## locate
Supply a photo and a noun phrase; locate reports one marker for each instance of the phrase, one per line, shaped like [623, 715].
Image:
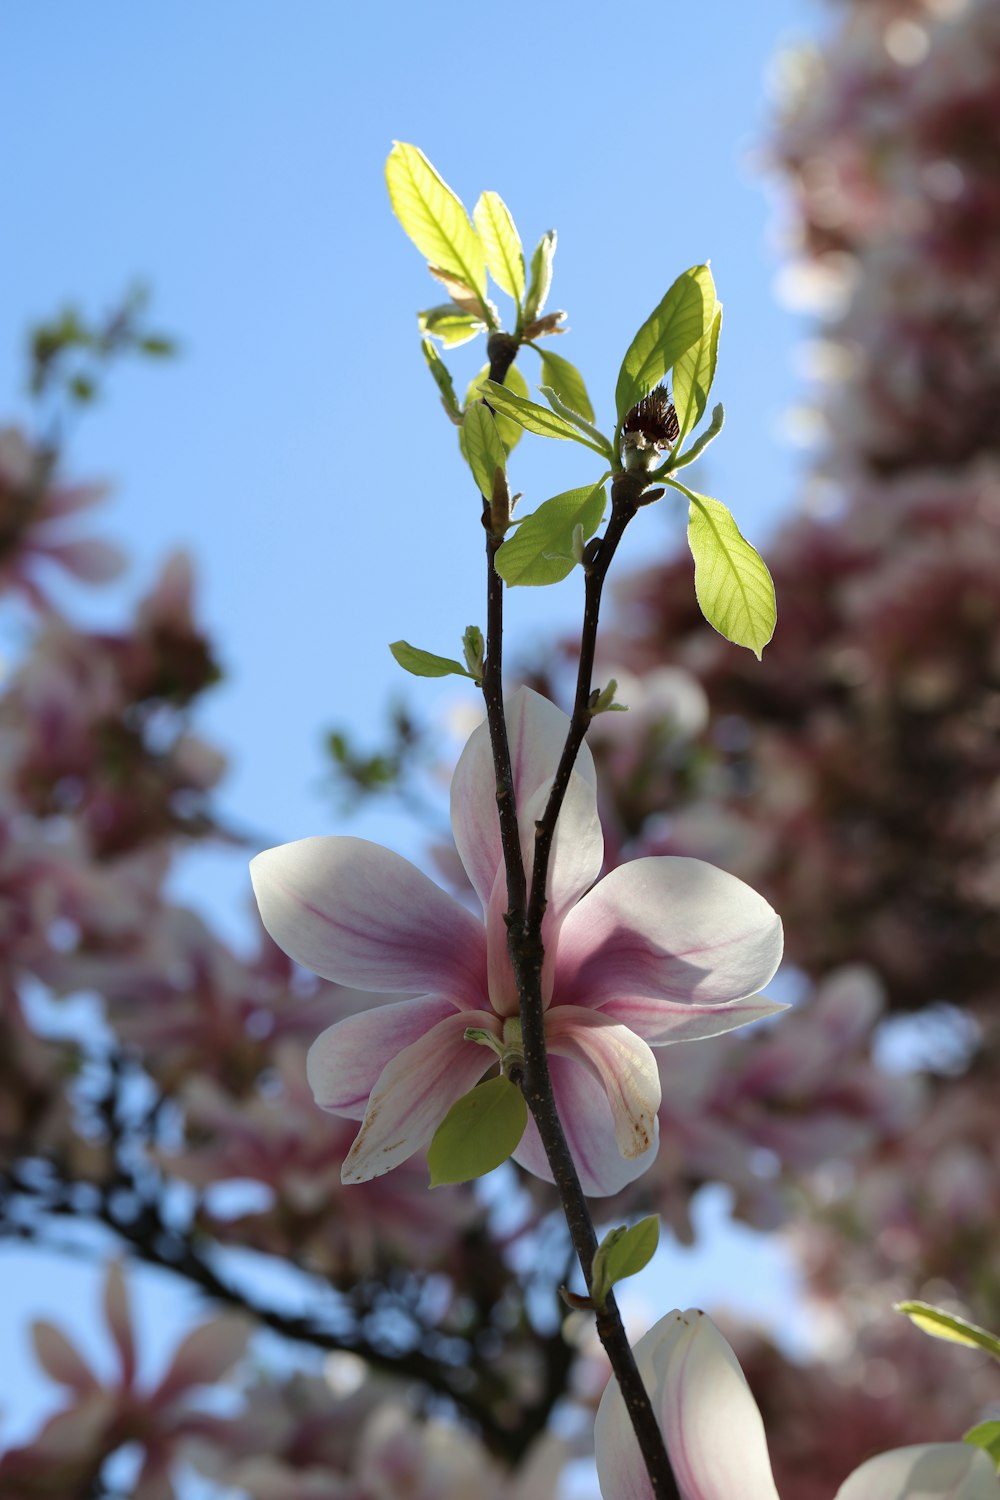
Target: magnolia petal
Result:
[412, 1096]
[708, 1416]
[590, 1130]
[621, 1063]
[345, 1061]
[660, 1022]
[668, 928]
[927, 1471]
[119, 1321]
[577, 848]
[89, 559]
[536, 733]
[60, 1359]
[361, 915]
[203, 1356]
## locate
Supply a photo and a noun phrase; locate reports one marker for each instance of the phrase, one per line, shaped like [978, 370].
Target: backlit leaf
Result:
[685, 313]
[623, 1252]
[693, 376]
[433, 216]
[478, 1133]
[482, 447]
[532, 417]
[502, 244]
[541, 276]
[945, 1325]
[540, 551]
[734, 588]
[567, 382]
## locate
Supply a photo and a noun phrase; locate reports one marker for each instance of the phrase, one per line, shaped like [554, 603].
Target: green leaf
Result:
[600, 442]
[541, 549]
[502, 244]
[532, 417]
[697, 448]
[425, 663]
[944, 1325]
[731, 581]
[478, 1133]
[985, 1435]
[693, 376]
[567, 382]
[510, 432]
[541, 275]
[442, 379]
[679, 321]
[449, 324]
[623, 1252]
[433, 216]
[482, 447]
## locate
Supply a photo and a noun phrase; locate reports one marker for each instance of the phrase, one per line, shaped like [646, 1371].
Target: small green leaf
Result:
[697, 448]
[482, 447]
[425, 663]
[510, 432]
[623, 1252]
[693, 376]
[985, 1435]
[433, 216]
[944, 1325]
[449, 324]
[541, 549]
[502, 244]
[534, 418]
[567, 382]
[731, 581]
[478, 1133]
[679, 321]
[474, 649]
[442, 379]
[598, 440]
[541, 276]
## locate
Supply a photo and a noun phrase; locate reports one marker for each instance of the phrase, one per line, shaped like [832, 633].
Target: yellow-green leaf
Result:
[567, 382]
[945, 1325]
[540, 551]
[693, 376]
[510, 432]
[482, 447]
[541, 275]
[449, 324]
[502, 244]
[731, 581]
[425, 663]
[685, 313]
[532, 417]
[479, 1132]
[442, 379]
[433, 216]
[623, 1252]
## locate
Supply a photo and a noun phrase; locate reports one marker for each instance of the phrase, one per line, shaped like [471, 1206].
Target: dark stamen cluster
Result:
[654, 420]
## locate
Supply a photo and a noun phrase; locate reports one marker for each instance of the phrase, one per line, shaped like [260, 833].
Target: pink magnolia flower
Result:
[715, 1436]
[661, 950]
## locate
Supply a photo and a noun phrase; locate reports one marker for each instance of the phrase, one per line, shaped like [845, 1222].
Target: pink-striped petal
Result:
[620, 1062]
[667, 928]
[927, 1471]
[60, 1358]
[203, 1356]
[413, 1094]
[660, 1022]
[709, 1418]
[119, 1321]
[590, 1131]
[345, 1061]
[536, 733]
[359, 914]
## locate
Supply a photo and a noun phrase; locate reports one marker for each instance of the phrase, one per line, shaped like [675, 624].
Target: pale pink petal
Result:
[659, 1022]
[345, 1061]
[667, 928]
[590, 1130]
[577, 849]
[710, 1421]
[116, 1312]
[89, 559]
[500, 971]
[203, 1357]
[412, 1097]
[928, 1471]
[359, 914]
[60, 1359]
[536, 733]
[69, 499]
[620, 1062]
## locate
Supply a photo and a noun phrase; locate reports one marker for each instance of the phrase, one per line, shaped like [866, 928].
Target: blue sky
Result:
[231, 157]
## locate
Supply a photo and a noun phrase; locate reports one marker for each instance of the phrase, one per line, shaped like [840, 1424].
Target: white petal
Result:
[660, 1022]
[361, 915]
[928, 1471]
[536, 733]
[345, 1060]
[621, 1063]
[667, 928]
[589, 1126]
[413, 1094]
